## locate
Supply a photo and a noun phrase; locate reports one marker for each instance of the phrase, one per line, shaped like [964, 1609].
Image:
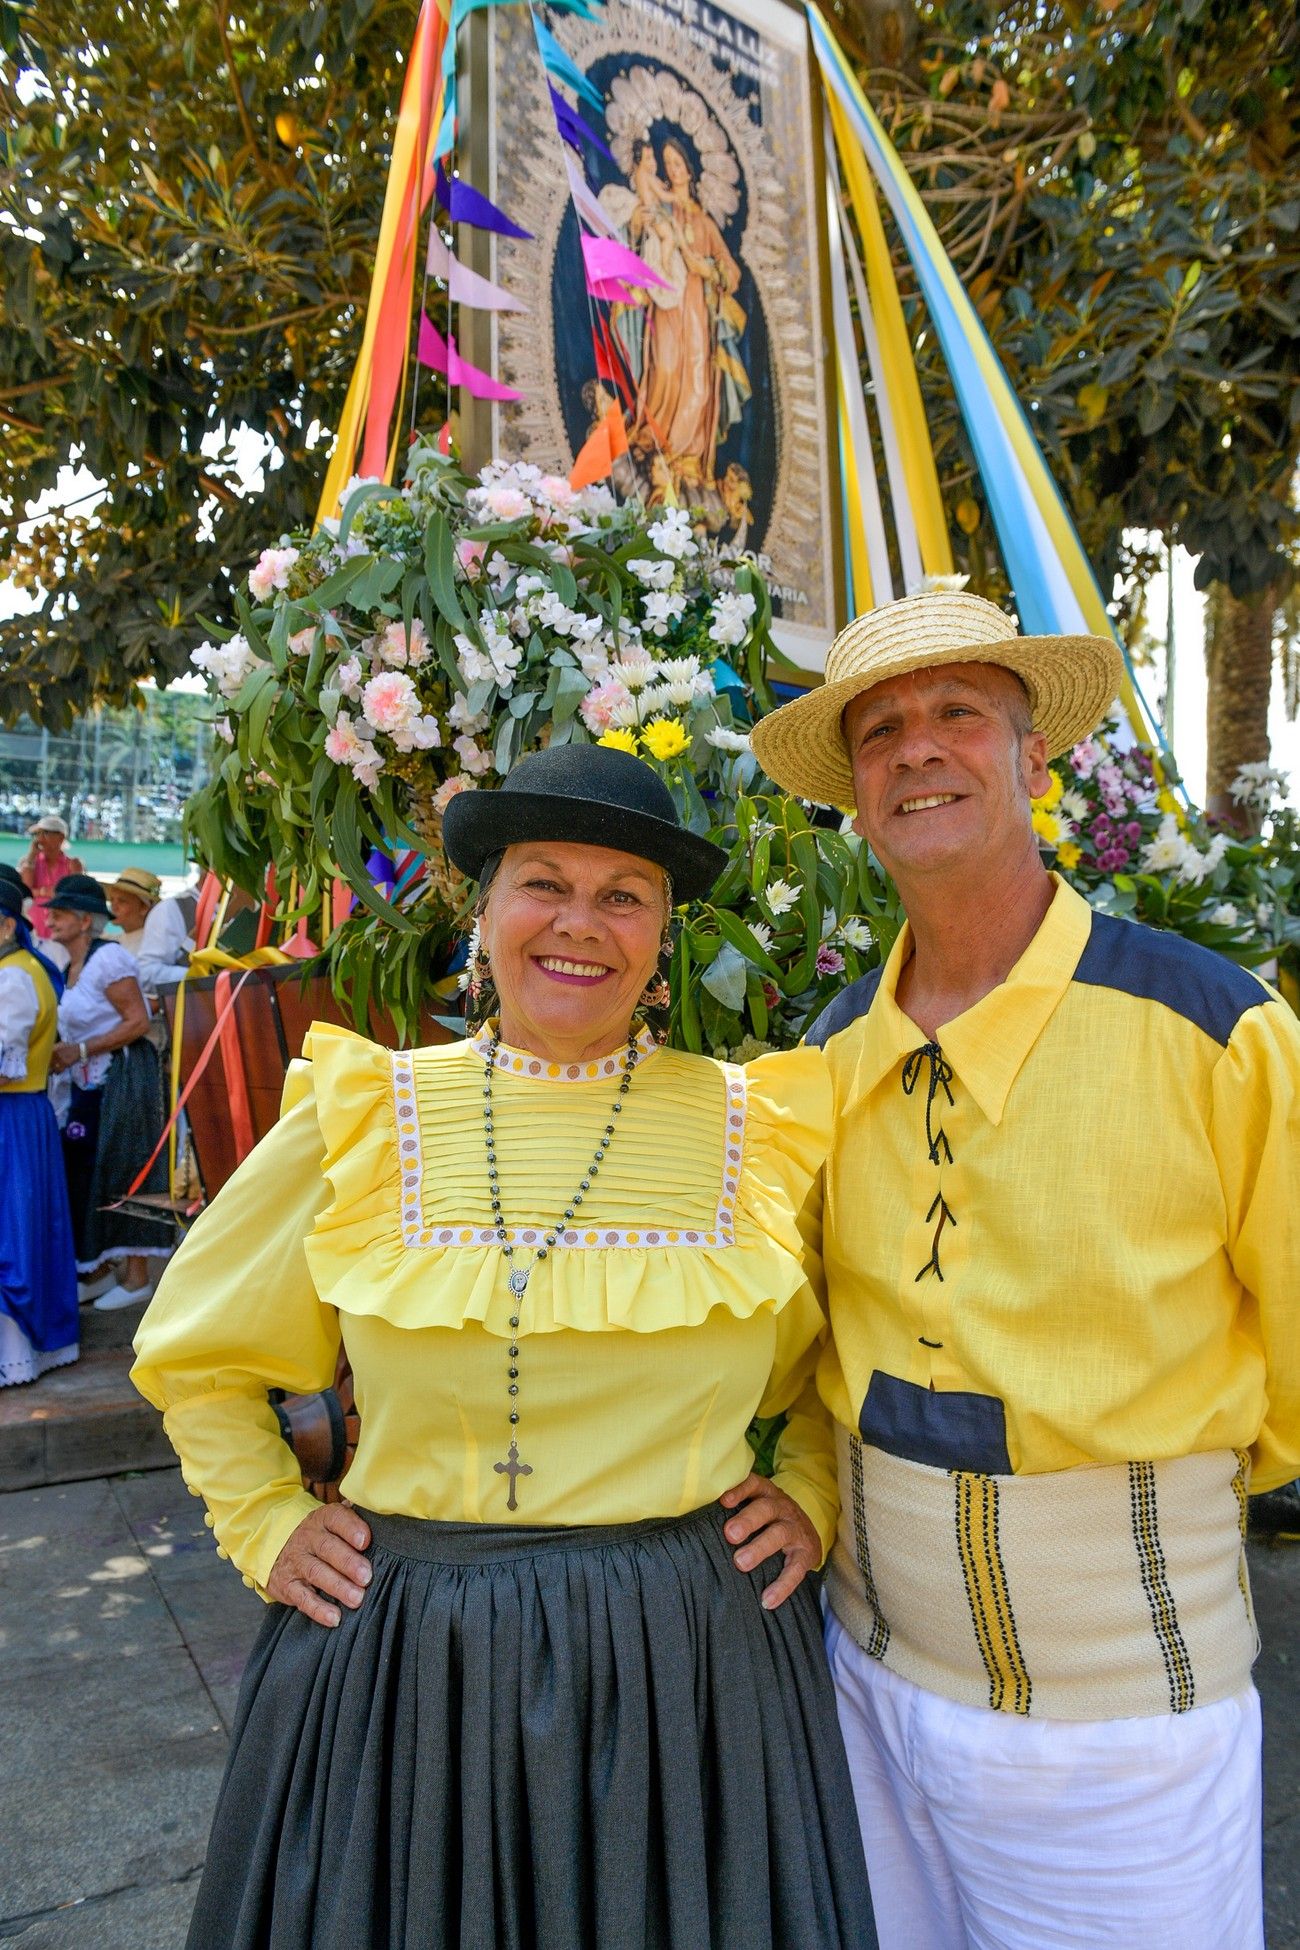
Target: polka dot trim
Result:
[518, 1063]
[580, 1238]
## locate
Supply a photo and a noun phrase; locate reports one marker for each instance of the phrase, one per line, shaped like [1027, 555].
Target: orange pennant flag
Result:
[600, 450]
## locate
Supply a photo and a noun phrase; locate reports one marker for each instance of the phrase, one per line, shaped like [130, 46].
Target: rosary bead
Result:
[513, 1373]
[514, 1388]
[514, 1415]
[513, 1351]
[514, 1320]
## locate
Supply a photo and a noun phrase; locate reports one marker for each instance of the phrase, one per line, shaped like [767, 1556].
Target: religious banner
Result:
[690, 300]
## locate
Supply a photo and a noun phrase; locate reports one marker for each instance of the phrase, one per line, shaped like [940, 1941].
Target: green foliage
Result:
[189, 198]
[1133, 243]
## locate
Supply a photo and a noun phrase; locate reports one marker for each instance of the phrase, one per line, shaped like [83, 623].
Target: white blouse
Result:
[19, 1008]
[86, 1011]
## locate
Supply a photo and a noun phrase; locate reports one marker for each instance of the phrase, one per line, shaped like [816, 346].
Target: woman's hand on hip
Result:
[322, 1562]
[768, 1521]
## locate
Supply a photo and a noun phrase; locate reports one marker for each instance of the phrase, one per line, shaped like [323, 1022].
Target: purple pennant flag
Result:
[434, 350]
[572, 127]
[587, 206]
[464, 204]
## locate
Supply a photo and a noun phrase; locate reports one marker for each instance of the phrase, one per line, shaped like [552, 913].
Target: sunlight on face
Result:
[944, 768]
[573, 934]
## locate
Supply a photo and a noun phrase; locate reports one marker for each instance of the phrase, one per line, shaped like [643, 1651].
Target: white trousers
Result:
[988, 1831]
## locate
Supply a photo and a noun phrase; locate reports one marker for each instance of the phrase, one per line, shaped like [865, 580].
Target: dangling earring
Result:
[656, 994]
[476, 980]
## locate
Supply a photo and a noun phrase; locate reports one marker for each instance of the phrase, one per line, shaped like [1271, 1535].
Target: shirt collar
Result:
[988, 1044]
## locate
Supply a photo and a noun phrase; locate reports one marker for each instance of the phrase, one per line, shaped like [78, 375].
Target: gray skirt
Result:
[537, 1739]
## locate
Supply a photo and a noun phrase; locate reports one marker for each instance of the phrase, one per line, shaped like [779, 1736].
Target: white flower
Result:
[418, 734]
[762, 934]
[724, 739]
[671, 534]
[498, 569]
[367, 765]
[341, 742]
[732, 613]
[654, 699]
[660, 611]
[461, 718]
[654, 574]
[635, 668]
[1167, 852]
[473, 666]
[348, 676]
[1264, 916]
[1223, 916]
[271, 572]
[507, 504]
[856, 933]
[475, 939]
[389, 701]
[224, 730]
[941, 585]
[680, 690]
[229, 663]
[781, 896]
[1072, 805]
[472, 756]
[1259, 784]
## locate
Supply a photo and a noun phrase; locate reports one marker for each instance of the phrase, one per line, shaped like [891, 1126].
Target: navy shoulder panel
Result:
[852, 1002]
[1162, 967]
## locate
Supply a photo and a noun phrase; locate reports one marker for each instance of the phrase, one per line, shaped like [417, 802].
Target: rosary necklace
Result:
[520, 1275]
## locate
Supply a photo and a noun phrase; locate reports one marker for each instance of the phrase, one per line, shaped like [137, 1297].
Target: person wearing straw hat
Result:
[553, 1678]
[44, 864]
[1059, 1237]
[132, 897]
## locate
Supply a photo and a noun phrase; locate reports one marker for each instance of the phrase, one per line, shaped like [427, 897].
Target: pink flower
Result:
[470, 556]
[448, 790]
[393, 646]
[389, 701]
[348, 676]
[557, 490]
[472, 756]
[301, 641]
[829, 961]
[507, 504]
[599, 705]
[342, 743]
[271, 572]
[1085, 758]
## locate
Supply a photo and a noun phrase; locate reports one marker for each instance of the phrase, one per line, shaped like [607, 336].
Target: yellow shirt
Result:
[1069, 1232]
[649, 1337]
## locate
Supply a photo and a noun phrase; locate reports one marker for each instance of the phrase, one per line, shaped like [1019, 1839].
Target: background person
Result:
[132, 898]
[44, 864]
[114, 1113]
[38, 1276]
[537, 1687]
[1063, 1352]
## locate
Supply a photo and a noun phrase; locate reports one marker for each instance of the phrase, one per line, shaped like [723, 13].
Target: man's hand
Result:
[770, 1521]
[322, 1561]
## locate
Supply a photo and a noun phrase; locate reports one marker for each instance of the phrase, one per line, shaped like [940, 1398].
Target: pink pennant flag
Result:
[612, 292]
[585, 202]
[432, 349]
[466, 286]
[605, 257]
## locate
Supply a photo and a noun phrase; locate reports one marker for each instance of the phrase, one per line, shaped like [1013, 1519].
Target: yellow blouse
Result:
[649, 1337]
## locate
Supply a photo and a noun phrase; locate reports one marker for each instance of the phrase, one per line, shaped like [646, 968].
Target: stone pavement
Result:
[122, 1637]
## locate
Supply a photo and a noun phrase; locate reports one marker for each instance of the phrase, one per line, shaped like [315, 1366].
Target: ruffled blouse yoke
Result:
[672, 1310]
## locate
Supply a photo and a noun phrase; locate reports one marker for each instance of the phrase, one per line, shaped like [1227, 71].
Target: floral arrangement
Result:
[1129, 843]
[419, 645]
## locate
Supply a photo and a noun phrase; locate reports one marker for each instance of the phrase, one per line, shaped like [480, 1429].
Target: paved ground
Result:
[122, 1636]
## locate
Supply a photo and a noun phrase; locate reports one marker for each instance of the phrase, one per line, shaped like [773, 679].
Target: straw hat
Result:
[1071, 681]
[139, 881]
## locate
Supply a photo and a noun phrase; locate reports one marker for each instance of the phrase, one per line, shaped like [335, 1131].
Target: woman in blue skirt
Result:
[38, 1277]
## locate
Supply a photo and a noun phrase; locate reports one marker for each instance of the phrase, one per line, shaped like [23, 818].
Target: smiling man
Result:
[1060, 1237]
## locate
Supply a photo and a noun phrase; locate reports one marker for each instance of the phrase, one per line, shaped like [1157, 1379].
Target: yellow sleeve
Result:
[805, 1450]
[237, 1313]
[1257, 1144]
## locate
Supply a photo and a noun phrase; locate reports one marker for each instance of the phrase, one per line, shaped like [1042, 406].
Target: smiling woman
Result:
[561, 1617]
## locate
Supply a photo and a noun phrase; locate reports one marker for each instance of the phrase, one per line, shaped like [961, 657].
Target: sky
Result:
[1189, 623]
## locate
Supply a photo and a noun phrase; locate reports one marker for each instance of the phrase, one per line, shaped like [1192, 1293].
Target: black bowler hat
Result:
[81, 893]
[13, 892]
[589, 795]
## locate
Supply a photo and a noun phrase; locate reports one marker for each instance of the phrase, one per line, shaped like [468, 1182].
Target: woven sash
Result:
[1088, 1594]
